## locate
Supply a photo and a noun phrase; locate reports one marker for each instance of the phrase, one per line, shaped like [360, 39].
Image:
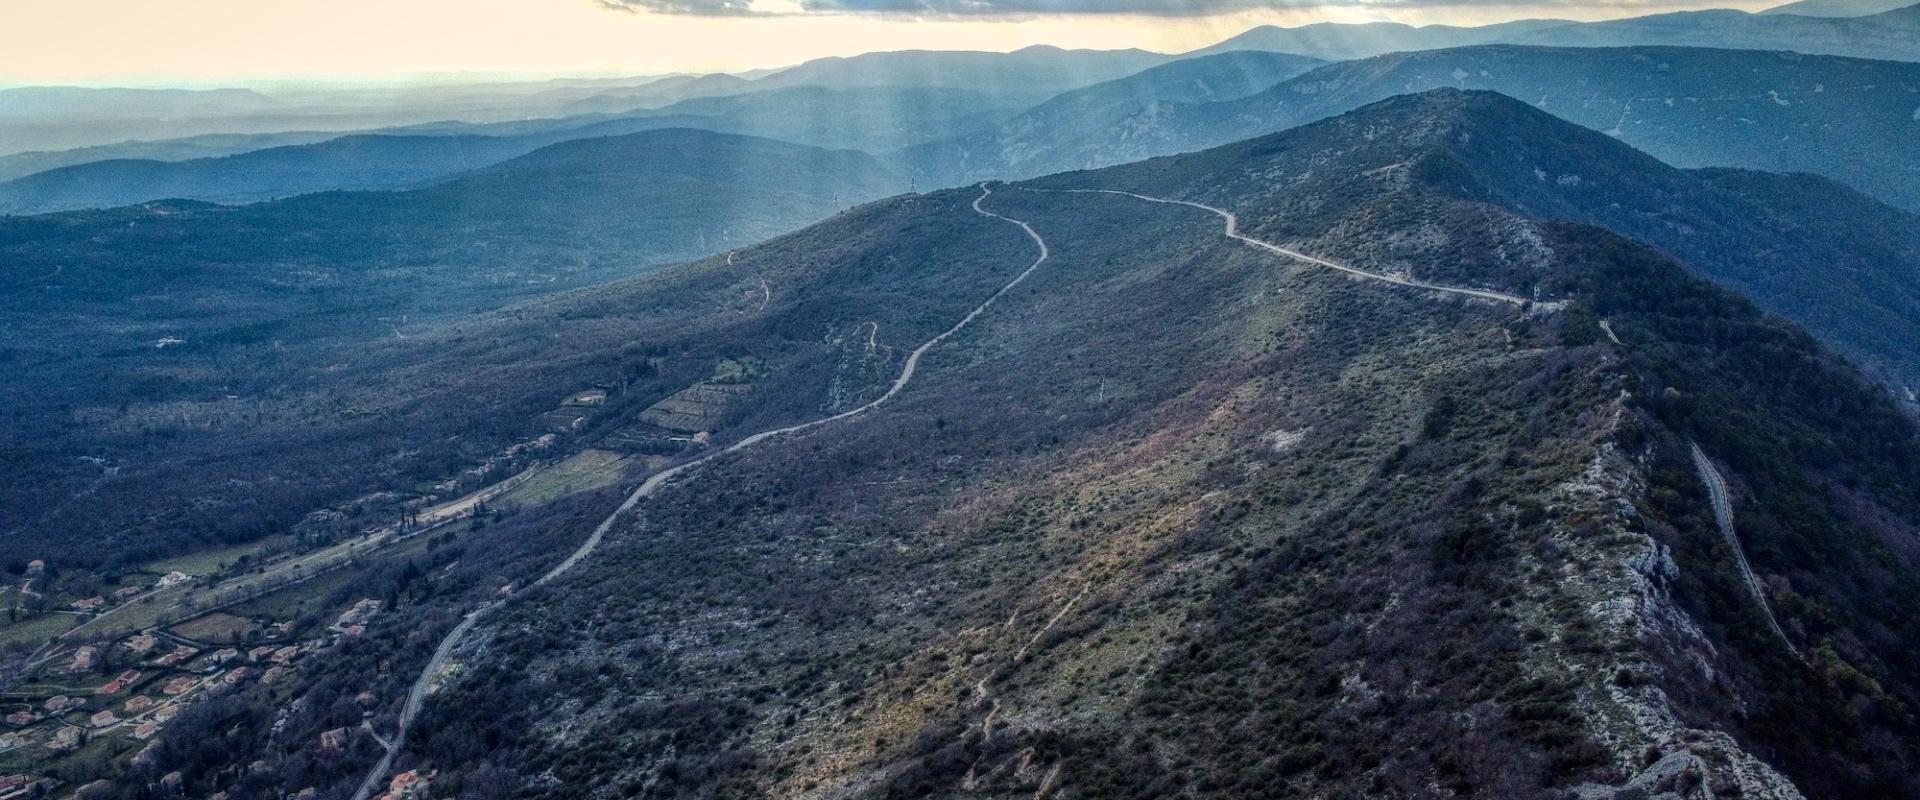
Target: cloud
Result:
[1033, 8]
[696, 8]
[968, 8]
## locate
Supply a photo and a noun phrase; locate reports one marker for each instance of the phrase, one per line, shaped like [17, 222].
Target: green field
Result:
[218, 627]
[208, 562]
[584, 471]
[36, 629]
[297, 599]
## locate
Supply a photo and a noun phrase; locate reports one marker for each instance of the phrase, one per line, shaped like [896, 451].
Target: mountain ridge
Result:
[1335, 517]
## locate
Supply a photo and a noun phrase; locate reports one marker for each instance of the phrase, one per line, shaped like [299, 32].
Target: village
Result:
[119, 657]
[115, 698]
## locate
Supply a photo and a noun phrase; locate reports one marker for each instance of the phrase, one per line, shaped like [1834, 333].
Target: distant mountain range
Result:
[375, 161]
[48, 118]
[1891, 35]
[1838, 8]
[877, 102]
[1892, 32]
[1848, 119]
[889, 100]
[876, 119]
[1095, 126]
[212, 145]
[56, 118]
[1041, 70]
[1339, 41]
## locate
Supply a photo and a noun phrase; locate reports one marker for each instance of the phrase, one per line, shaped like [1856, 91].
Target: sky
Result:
[263, 42]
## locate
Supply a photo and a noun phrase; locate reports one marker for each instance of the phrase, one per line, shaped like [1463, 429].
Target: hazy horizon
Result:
[294, 44]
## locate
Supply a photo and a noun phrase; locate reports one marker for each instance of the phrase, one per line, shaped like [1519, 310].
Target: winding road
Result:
[422, 686]
[1723, 519]
[1233, 232]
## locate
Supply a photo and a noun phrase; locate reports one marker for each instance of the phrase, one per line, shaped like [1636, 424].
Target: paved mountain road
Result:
[1233, 232]
[1723, 519]
[417, 696]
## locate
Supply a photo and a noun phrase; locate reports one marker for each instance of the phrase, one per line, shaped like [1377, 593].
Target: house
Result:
[57, 703]
[590, 397]
[146, 730]
[128, 593]
[406, 784]
[166, 713]
[352, 631]
[36, 566]
[90, 603]
[64, 739]
[179, 654]
[284, 654]
[358, 614]
[142, 644]
[177, 685]
[273, 675]
[224, 655]
[101, 719]
[237, 675]
[260, 653]
[83, 659]
[171, 782]
[20, 718]
[119, 682]
[335, 739]
[138, 703]
[172, 579]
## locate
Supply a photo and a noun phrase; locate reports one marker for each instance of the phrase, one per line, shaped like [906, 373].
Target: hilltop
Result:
[1769, 236]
